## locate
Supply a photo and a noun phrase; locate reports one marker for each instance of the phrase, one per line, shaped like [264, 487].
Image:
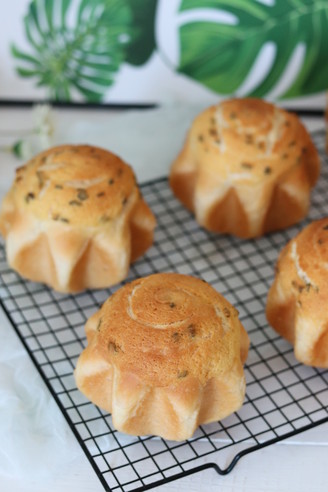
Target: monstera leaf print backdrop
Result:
[88, 49]
[86, 55]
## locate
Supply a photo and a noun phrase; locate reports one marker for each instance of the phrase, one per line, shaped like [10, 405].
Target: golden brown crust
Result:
[298, 299]
[168, 341]
[75, 184]
[79, 210]
[252, 151]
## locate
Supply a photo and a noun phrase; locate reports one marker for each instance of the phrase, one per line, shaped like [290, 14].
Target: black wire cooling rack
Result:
[283, 396]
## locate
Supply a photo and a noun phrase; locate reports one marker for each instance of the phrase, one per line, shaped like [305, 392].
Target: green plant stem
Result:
[15, 133]
[6, 149]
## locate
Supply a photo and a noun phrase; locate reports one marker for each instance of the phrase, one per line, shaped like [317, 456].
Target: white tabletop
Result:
[292, 465]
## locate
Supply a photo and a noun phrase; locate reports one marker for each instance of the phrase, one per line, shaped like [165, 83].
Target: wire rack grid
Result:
[283, 396]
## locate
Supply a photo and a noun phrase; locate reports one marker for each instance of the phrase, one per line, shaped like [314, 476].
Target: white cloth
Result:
[32, 428]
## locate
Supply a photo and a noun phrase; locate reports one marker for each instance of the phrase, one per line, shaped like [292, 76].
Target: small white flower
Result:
[43, 120]
[44, 141]
[22, 149]
[39, 138]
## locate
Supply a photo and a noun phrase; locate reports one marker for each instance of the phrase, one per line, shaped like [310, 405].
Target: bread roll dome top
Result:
[253, 140]
[75, 184]
[167, 327]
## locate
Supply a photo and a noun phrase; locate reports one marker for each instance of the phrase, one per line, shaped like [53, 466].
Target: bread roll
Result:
[74, 219]
[246, 168]
[297, 305]
[165, 353]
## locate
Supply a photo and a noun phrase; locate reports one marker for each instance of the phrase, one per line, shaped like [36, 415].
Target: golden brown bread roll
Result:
[297, 305]
[74, 219]
[165, 353]
[246, 168]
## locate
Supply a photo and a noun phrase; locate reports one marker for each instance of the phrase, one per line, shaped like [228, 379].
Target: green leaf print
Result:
[82, 56]
[220, 55]
[143, 12]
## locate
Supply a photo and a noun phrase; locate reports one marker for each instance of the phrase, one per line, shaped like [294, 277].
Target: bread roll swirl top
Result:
[75, 184]
[167, 327]
[253, 140]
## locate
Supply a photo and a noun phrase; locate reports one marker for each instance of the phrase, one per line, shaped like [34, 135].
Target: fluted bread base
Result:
[71, 259]
[172, 412]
